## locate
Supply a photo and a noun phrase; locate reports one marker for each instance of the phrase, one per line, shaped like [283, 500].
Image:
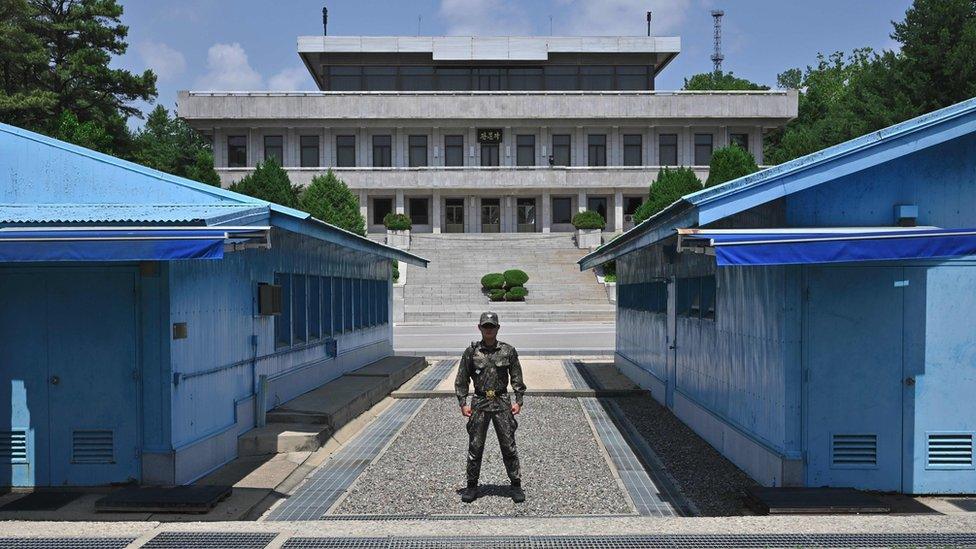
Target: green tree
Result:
[55, 58]
[269, 182]
[171, 145]
[730, 163]
[712, 81]
[329, 199]
[86, 134]
[670, 185]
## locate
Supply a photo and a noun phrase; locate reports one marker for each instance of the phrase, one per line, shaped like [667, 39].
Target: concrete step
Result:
[304, 423]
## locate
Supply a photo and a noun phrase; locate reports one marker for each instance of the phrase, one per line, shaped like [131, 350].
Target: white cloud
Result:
[291, 79]
[229, 70]
[620, 17]
[166, 62]
[484, 17]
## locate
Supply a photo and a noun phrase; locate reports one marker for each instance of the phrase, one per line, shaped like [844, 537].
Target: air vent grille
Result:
[13, 446]
[93, 446]
[950, 450]
[854, 450]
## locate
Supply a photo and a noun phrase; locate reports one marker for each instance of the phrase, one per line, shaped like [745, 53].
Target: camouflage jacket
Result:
[490, 368]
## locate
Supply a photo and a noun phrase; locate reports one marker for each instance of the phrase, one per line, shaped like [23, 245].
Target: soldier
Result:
[490, 363]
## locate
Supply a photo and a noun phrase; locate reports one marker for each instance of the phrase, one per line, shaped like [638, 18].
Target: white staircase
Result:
[449, 290]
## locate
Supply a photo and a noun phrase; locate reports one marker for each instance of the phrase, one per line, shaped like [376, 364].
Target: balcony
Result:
[478, 177]
[767, 108]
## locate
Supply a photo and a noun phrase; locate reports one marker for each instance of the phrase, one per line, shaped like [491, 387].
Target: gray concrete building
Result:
[484, 134]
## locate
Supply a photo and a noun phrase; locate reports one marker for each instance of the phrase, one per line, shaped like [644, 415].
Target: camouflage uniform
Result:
[490, 368]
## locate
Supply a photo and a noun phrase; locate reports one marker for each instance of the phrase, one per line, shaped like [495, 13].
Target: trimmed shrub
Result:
[397, 222]
[329, 199]
[589, 220]
[516, 293]
[269, 182]
[730, 163]
[493, 281]
[496, 294]
[670, 185]
[515, 277]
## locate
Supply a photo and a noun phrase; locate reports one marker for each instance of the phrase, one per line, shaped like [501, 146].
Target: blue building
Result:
[814, 321]
[138, 310]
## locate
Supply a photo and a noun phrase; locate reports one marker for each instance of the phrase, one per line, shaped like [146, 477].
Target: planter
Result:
[589, 238]
[611, 291]
[398, 239]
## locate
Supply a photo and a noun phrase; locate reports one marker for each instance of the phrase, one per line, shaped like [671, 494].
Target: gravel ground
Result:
[564, 471]
[704, 476]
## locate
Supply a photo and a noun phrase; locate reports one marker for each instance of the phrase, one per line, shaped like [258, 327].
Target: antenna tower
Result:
[717, 56]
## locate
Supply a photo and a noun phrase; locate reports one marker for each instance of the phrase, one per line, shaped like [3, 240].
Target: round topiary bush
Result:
[493, 281]
[496, 294]
[589, 220]
[516, 293]
[397, 222]
[515, 277]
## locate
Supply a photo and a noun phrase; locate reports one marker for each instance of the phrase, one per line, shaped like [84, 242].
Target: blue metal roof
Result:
[714, 203]
[46, 181]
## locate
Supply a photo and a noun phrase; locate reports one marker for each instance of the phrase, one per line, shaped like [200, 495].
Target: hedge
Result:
[589, 220]
[397, 222]
[496, 294]
[516, 293]
[493, 281]
[515, 277]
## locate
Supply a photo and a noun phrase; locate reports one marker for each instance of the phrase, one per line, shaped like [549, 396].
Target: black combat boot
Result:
[518, 496]
[470, 493]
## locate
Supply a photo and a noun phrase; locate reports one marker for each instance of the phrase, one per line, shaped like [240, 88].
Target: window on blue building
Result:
[283, 321]
[314, 307]
[347, 304]
[299, 311]
[696, 297]
[327, 306]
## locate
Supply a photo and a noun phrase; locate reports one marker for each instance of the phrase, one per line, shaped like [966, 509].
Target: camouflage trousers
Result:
[505, 425]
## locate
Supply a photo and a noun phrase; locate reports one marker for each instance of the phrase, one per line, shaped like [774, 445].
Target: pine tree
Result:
[269, 182]
[329, 199]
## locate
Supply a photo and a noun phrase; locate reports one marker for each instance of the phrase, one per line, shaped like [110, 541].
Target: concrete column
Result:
[509, 215]
[435, 212]
[546, 212]
[581, 201]
[435, 147]
[615, 147]
[507, 151]
[579, 147]
[473, 219]
[220, 148]
[323, 146]
[650, 147]
[253, 143]
[618, 211]
[364, 206]
[328, 147]
[361, 148]
[544, 146]
[291, 151]
[398, 202]
[755, 145]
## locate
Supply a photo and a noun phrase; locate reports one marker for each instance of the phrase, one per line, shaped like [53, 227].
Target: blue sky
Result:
[250, 44]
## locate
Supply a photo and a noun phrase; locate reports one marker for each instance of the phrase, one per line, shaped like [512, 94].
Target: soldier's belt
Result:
[491, 394]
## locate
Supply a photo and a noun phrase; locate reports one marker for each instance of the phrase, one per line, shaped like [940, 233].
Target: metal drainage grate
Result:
[65, 543]
[330, 481]
[210, 540]
[574, 375]
[388, 518]
[436, 375]
[655, 541]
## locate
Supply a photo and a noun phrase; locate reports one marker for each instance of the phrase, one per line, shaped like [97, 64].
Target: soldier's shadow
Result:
[486, 490]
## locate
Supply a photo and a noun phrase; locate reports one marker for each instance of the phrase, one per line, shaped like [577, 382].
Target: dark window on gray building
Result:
[345, 151]
[562, 209]
[382, 151]
[274, 147]
[740, 139]
[417, 145]
[596, 149]
[561, 77]
[489, 154]
[667, 146]
[562, 145]
[596, 77]
[345, 78]
[309, 151]
[631, 203]
[453, 150]
[633, 77]
[418, 211]
[526, 79]
[417, 78]
[525, 150]
[379, 78]
[453, 79]
[490, 79]
[237, 151]
[703, 149]
[633, 150]
[381, 207]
